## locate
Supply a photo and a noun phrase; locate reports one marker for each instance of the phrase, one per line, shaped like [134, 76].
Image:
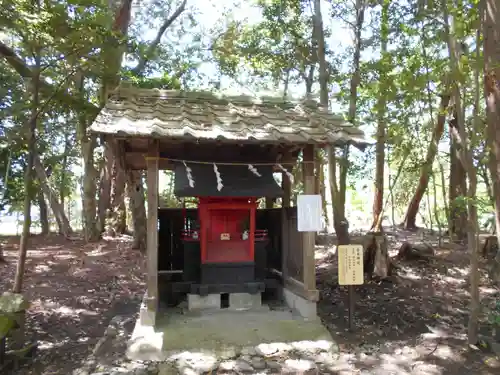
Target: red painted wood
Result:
[226, 215]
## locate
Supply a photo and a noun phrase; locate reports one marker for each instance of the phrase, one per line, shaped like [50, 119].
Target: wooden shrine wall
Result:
[293, 252]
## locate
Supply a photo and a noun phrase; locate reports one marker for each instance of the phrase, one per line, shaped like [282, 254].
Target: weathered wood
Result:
[296, 286]
[152, 225]
[308, 238]
[285, 203]
[138, 161]
[301, 289]
[377, 262]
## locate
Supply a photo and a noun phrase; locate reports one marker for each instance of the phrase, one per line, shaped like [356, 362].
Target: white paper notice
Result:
[309, 213]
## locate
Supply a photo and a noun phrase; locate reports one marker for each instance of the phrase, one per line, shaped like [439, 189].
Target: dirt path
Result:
[75, 289]
[423, 314]
[414, 326]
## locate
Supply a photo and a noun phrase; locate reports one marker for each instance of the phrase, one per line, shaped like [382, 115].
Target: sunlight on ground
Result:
[49, 307]
[41, 268]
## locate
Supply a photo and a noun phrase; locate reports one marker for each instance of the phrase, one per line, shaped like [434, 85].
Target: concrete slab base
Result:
[145, 344]
[237, 301]
[219, 331]
[245, 301]
[304, 308]
[197, 302]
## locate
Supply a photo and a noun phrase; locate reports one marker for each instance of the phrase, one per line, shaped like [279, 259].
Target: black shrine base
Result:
[250, 287]
[214, 278]
[205, 289]
[227, 273]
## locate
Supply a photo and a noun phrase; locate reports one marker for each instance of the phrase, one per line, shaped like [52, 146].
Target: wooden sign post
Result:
[350, 270]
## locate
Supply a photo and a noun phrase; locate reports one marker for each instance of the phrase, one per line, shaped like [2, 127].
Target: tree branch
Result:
[47, 89]
[154, 44]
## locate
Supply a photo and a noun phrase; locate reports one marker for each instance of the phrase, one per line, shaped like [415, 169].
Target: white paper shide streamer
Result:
[219, 179]
[289, 175]
[189, 175]
[254, 170]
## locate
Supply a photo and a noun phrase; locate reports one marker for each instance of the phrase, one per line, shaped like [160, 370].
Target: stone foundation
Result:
[245, 301]
[197, 302]
[237, 301]
[307, 309]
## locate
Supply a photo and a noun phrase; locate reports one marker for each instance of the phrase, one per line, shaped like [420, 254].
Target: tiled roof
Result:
[132, 112]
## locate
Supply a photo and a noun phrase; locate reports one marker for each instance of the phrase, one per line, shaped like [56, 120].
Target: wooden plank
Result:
[300, 289]
[308, 238]
[285, 244]
[152, 225]
[138, 161]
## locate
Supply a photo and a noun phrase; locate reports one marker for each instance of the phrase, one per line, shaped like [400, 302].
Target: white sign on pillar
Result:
[309, 211]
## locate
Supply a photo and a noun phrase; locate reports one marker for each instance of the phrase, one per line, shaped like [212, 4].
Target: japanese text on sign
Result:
[350, 258]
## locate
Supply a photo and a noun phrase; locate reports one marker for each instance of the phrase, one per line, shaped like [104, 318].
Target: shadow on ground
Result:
[415, 324]
[75, 289]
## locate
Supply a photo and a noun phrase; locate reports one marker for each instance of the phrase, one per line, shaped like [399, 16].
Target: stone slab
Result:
[245, 301]
[305, 308]
[197, 302]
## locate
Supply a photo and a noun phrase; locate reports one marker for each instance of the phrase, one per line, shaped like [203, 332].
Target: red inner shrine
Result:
[227, 229]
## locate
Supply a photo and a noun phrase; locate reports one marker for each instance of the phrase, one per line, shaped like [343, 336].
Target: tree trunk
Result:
[457, 191]
[64, 167]
[378, 199]
[338, 191]
[88, 143]
[104, 187]
[322, 192]
[135, 192]
[491, 53]
[28, 177]
[51, 196]
[410, 221]
[459, 135]
[116, 222]
[44, 214]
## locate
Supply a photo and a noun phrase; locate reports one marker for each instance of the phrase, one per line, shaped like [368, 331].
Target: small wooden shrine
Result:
[223, 151]
[224, 251]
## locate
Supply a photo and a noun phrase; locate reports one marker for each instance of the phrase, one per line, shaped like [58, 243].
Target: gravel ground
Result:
[414, 325]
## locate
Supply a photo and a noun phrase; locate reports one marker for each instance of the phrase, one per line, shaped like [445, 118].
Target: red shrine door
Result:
[227, 229]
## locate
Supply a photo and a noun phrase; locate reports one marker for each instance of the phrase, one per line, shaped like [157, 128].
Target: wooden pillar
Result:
[285, 226]
[152, 225]
[308, 238]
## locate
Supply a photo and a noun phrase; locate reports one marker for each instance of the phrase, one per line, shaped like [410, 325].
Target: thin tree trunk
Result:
[338, 191]
[423, 182]
[51, 196]
[378, 199]
[135, 192]
[322, 192]
[116, 218]
[465, 156]
[44, 214]
[64, 167]
[87, 143]
[104, 187]
[139, 69]
[28, 176]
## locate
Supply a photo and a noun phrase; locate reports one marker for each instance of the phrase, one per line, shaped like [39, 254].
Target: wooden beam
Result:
[308, 238]
[152, 225]
[137, 161]
[296, 286]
